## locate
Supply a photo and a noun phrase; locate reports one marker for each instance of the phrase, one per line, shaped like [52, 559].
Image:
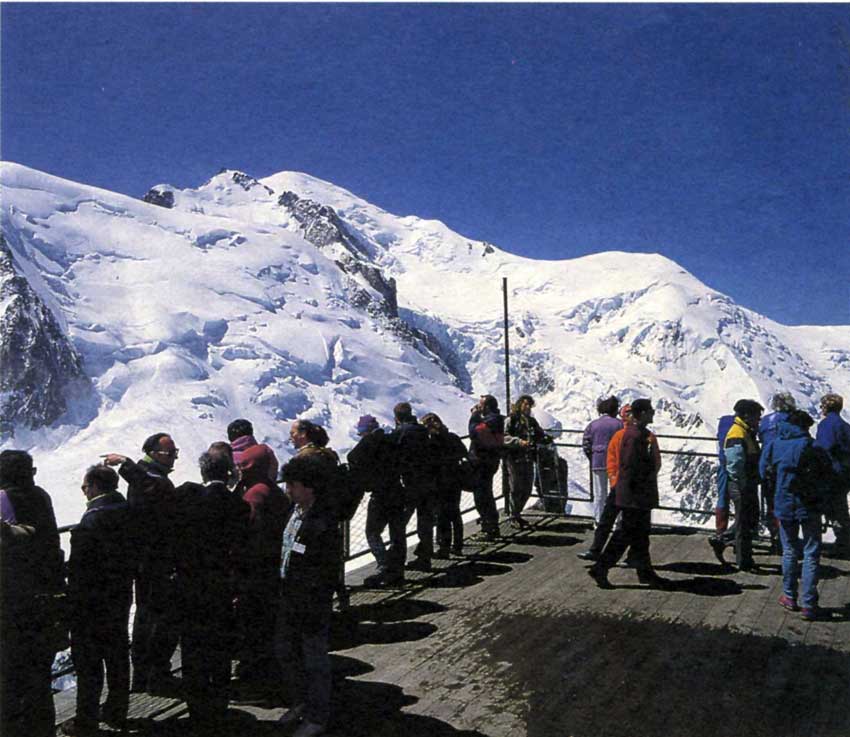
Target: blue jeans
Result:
[806, 549]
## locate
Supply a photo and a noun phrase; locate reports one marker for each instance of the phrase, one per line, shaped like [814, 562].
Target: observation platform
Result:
[516, 640]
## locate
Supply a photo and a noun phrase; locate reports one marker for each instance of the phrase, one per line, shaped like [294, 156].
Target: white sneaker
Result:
[291, 716]
[309, 729]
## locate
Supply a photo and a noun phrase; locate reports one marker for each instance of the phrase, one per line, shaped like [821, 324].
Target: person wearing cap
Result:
[595, 441]
[781, 403]
[310, 560]
[742, 452]
[801, 471]
[152, 501]
[636, 495]
[373, 462]
[257, 468]
[833, 435]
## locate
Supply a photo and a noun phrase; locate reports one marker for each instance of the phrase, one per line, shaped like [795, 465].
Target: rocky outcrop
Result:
[160, 197]
[322, 226]
[38, 365]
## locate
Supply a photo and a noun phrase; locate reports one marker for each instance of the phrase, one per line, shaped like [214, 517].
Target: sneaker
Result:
[588, 555]
[600, 575]
[810, 614]
[309, 729]
[76, 728]
[291, 716]
[375, 581]
[420, 564]
[786, 602]
[717, 548]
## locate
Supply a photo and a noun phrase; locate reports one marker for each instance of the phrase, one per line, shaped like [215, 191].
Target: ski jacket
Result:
[723, 425]
[769, 426]
[247, 452]
[637, 477]
[613, 456]
[521, 427]
[597, 436]
[785, 453]
[374, 464]
[833, 436]
[450, 452]
[487, 437]
[742, 455]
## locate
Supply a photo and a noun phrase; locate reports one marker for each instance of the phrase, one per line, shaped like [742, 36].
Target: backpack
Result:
[348, 492]
[415, 451]
[813, 475]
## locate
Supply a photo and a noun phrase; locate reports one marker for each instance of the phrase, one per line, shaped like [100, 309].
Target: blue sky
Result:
[717, 135]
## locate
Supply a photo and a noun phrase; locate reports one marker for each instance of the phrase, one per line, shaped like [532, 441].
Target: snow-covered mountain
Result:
[289, 297]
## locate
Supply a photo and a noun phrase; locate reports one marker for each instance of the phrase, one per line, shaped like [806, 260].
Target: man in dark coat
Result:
[417, 473]
[30, 582]
[833, 435]
[100, 589]
[636, 497]
[310, 561]
[450, 454]
[209, 558]
[373, 464]
[150, 495]
[487, 442]
[257, 588]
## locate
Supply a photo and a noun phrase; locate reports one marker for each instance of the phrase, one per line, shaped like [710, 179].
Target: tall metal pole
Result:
[505, 490]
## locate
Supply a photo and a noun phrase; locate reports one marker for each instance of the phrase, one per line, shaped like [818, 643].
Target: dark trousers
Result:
[837, 514]
[420, 499]
[449, 520]
[26, 698]
[255, 615]
[205, 641]
[746, 506]
[95, 646]
[485, 504]
[634, 535]
[387, 510]
[521, 481]
[301, 645]
[606, 522]
[155, 627]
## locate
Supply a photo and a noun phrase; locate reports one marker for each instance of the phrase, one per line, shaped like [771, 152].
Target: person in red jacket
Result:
[257, 467]
[636, 496]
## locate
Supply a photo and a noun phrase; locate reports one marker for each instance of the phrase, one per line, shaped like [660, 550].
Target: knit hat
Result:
[366, 424]
[639, 406]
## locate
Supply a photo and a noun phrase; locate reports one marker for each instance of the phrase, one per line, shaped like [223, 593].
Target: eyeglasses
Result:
[168, 453]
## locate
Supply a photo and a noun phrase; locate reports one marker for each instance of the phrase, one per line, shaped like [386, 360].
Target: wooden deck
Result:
[518, 640]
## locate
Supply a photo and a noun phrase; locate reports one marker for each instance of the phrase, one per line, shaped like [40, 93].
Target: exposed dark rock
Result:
[38, 365]
[160, 197]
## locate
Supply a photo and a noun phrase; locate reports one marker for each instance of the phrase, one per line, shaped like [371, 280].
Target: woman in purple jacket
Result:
[594, 443]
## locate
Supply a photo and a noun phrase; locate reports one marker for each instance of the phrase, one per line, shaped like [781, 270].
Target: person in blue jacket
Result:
[833, 436]
[721, 508]
[781, 404]
[802, 473]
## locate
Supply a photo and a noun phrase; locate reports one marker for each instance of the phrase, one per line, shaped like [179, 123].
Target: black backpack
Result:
[347, 491]
[813, 476]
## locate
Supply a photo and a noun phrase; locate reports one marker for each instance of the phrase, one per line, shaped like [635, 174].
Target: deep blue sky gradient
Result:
[717, 135]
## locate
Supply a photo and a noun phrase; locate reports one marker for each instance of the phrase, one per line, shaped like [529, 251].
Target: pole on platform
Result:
[505, 490]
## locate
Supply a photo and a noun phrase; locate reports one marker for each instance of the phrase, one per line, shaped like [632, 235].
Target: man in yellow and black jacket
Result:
[742, 452]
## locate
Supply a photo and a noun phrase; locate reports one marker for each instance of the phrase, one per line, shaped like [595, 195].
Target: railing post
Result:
[505, 489]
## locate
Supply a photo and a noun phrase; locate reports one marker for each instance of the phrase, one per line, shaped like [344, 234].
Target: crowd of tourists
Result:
[769, 463]
[241, 567]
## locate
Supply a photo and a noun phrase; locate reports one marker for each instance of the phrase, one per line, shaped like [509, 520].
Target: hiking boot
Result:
[164, 684]
[652, 579]
[786, 602]
[588, 555]
[420, 564]
[76, 728]
[717, 547]
[291, 716]
[441, 554]
[600, 575]
[811, 614]
[309, 729]
[457, 550]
